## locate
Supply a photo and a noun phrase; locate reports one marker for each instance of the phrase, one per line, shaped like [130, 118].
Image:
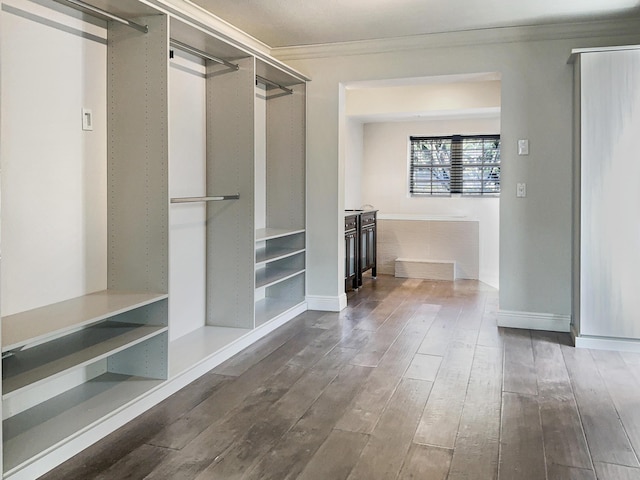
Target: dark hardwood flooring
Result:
[412, 381]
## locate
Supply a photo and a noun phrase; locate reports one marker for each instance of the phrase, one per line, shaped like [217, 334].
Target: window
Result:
[469, 165]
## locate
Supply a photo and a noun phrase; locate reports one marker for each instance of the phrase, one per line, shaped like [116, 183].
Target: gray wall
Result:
[535, 232]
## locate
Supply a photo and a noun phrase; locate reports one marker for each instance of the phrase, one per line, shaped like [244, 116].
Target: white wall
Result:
[354, 142]
[53, 173]
[385, 182]
[433, 241]
[435, 94]
[536, 103]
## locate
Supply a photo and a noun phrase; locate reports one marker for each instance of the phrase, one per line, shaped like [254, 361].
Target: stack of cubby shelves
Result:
[279, 272]
[131, 267]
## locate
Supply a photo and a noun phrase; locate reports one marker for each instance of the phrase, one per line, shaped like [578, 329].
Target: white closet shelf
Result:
[201, 344]
[30, 367]
[59, 319]
[35, 431]
[269, 308]
[270, 276]
[271, 233]
[264, 255]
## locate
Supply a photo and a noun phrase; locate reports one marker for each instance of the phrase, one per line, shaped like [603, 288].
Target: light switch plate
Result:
[521, 190]
[523, 147]
[87, 119]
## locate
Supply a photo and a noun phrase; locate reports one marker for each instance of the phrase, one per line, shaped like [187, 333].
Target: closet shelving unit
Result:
[70, 364]
[224, 201]
[279, 264]
[280, 239]
[78, 368]
[259, 263]
[280, 267]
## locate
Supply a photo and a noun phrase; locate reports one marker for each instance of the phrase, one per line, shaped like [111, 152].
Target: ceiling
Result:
[281, 23]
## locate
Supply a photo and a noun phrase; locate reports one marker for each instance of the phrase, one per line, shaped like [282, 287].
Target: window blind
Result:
[464, 164]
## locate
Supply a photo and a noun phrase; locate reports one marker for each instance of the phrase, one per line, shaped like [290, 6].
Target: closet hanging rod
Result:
[104, 13]
[205, 199]
[200, 53]
[274, 84]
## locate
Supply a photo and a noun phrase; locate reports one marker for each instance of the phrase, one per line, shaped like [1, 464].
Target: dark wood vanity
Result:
[360, 246]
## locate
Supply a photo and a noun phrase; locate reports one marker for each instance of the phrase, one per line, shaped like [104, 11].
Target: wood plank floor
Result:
[413, 380]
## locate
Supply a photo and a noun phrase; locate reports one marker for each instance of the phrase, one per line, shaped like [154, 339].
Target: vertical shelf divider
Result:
[137, 171]
[138, 156]
[230, 167]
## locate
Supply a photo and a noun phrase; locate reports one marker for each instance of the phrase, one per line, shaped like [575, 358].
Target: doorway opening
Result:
[379, 119]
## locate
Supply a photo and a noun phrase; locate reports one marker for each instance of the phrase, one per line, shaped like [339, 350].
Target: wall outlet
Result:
[521, 190]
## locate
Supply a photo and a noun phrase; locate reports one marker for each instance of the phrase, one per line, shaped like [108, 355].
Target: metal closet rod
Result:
[104, 13]
[200, 53]
[205, 199]
[274, 84]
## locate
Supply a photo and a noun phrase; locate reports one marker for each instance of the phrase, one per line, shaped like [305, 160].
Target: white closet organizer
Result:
[72, 362]
[101, 317]
[280, 224]
[238, 139]
[217, 194]
[211, 220]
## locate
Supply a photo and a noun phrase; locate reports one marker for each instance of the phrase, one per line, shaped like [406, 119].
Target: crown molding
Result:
[629, 27]
[205, 21]
[198, 16]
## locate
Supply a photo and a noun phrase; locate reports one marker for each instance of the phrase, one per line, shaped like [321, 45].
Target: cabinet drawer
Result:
[368, 218]
[350, 223]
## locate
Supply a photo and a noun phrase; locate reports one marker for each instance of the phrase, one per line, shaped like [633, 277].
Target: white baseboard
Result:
[607, 343]
[327, 304]
[534, 321]
[574, 334]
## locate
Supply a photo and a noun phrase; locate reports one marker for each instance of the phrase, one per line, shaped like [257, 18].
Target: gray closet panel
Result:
[138, 156]
[230, 170]
[148, 359]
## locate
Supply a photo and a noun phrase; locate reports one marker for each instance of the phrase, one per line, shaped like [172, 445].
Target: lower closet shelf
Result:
[30, 367]
[269, 308]
[199, 345]
[37, 430]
